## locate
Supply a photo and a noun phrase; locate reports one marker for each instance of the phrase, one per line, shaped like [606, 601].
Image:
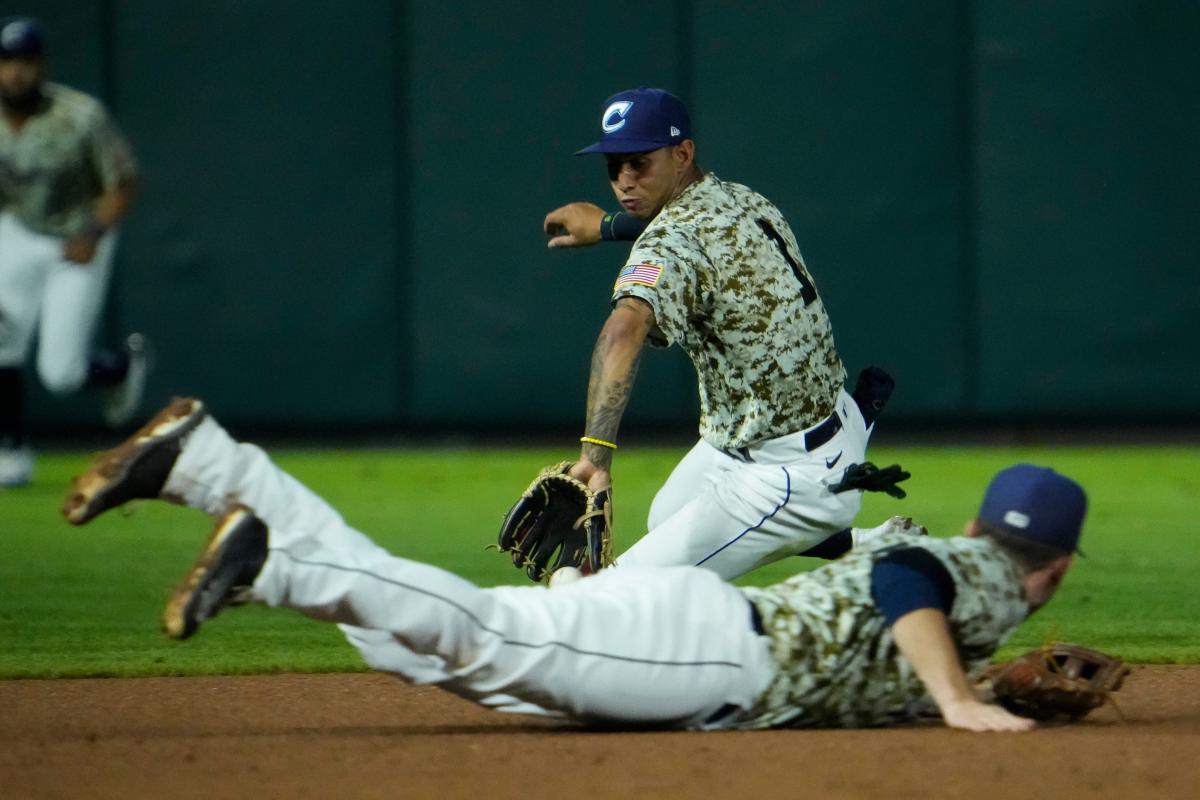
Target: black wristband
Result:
[606, 231]
[94, 230]
[621, 227]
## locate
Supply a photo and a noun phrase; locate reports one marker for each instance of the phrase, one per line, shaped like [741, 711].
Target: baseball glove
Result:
[558, 522]
[1057, 680]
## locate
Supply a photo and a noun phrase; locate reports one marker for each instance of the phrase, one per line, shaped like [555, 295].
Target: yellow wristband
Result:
[601, 442]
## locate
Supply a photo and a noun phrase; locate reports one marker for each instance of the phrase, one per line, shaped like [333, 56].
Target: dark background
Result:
[339, 225]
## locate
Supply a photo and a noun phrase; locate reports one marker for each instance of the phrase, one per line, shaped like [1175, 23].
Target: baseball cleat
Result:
[222, 576]
[16, 467]
[138, 467]
[125, 397]
[905, 525]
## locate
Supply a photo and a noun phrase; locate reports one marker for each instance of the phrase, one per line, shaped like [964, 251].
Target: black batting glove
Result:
[870, 478]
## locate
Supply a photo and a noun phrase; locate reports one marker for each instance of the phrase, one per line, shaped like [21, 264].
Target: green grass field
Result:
[85, 601]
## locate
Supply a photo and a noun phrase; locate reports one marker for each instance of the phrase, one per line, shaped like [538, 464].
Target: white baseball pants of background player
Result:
[659, 646]
[734, 512]
[41, 290]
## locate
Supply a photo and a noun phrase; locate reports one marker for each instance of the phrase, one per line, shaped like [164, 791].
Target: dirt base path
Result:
[368, 736]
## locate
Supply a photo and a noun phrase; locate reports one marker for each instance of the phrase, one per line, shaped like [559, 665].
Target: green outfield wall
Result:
[340, 215]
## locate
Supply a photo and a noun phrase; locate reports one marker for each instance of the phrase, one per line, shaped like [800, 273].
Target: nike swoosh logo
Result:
[830, 462]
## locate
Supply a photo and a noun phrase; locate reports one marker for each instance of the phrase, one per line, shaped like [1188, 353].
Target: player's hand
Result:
[596, 479]
[973, 715]
[80, 249]
[573, 225]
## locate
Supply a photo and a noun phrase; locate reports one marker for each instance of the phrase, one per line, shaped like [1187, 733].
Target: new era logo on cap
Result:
[640, 120]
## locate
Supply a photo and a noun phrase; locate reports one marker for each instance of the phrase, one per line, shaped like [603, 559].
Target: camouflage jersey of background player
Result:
[67, 180]
[752, 323]
[48, 181]
[838, 663]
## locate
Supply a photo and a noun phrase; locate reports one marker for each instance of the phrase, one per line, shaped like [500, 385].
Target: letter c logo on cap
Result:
[614, 115]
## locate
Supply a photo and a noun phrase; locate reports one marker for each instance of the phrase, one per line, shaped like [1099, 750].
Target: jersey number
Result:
[808, 292]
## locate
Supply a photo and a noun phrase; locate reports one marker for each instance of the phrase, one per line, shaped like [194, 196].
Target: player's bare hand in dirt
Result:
[80, 249]
[973, 715]
[573, 225]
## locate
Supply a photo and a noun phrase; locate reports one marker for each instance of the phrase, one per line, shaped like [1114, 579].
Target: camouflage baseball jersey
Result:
[722, 271]
[838, 663]
[54, 168]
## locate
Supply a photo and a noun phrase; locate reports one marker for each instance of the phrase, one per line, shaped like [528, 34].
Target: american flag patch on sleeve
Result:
[638, 275]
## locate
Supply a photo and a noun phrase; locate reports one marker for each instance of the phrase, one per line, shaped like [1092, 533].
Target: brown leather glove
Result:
[1058, 680]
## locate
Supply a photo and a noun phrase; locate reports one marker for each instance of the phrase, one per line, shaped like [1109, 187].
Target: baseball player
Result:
[716, 269]
[893, 630]
[66, 179]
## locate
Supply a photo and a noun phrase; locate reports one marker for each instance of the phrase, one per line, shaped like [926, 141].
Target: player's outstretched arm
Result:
[573, 225]
[614, 368]
[923, 636]
[580, 224]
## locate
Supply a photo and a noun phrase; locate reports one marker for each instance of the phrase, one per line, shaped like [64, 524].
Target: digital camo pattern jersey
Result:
[838, 663]
[52, 171]
[722, 271]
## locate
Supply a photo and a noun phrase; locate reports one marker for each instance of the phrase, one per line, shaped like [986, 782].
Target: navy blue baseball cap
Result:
[21, 37]
[1036, 503]
[639, 120]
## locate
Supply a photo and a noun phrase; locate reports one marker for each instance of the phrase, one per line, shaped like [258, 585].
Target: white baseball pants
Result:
[657, 646]
[734, 513]
[41, 290]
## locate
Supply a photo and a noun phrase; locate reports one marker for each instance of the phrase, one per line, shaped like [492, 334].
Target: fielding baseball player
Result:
[890, 631]
[716, 269]
[66, 178]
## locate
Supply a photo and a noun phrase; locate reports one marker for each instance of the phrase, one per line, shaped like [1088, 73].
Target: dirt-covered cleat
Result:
[861, 536]
[223, 574]
[138, 467]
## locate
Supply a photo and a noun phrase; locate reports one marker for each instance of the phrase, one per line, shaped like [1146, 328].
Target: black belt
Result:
[813, 439]
[822, 433]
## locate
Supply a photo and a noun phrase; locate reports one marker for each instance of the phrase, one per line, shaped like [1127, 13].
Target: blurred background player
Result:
[67, 177]
[716, 269]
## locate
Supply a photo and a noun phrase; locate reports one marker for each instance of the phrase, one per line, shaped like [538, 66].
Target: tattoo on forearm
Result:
[607, 397]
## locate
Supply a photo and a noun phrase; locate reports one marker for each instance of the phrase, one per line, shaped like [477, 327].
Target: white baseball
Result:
[564, 576]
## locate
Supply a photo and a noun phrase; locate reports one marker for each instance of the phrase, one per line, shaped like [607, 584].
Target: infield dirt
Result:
[370, 736]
